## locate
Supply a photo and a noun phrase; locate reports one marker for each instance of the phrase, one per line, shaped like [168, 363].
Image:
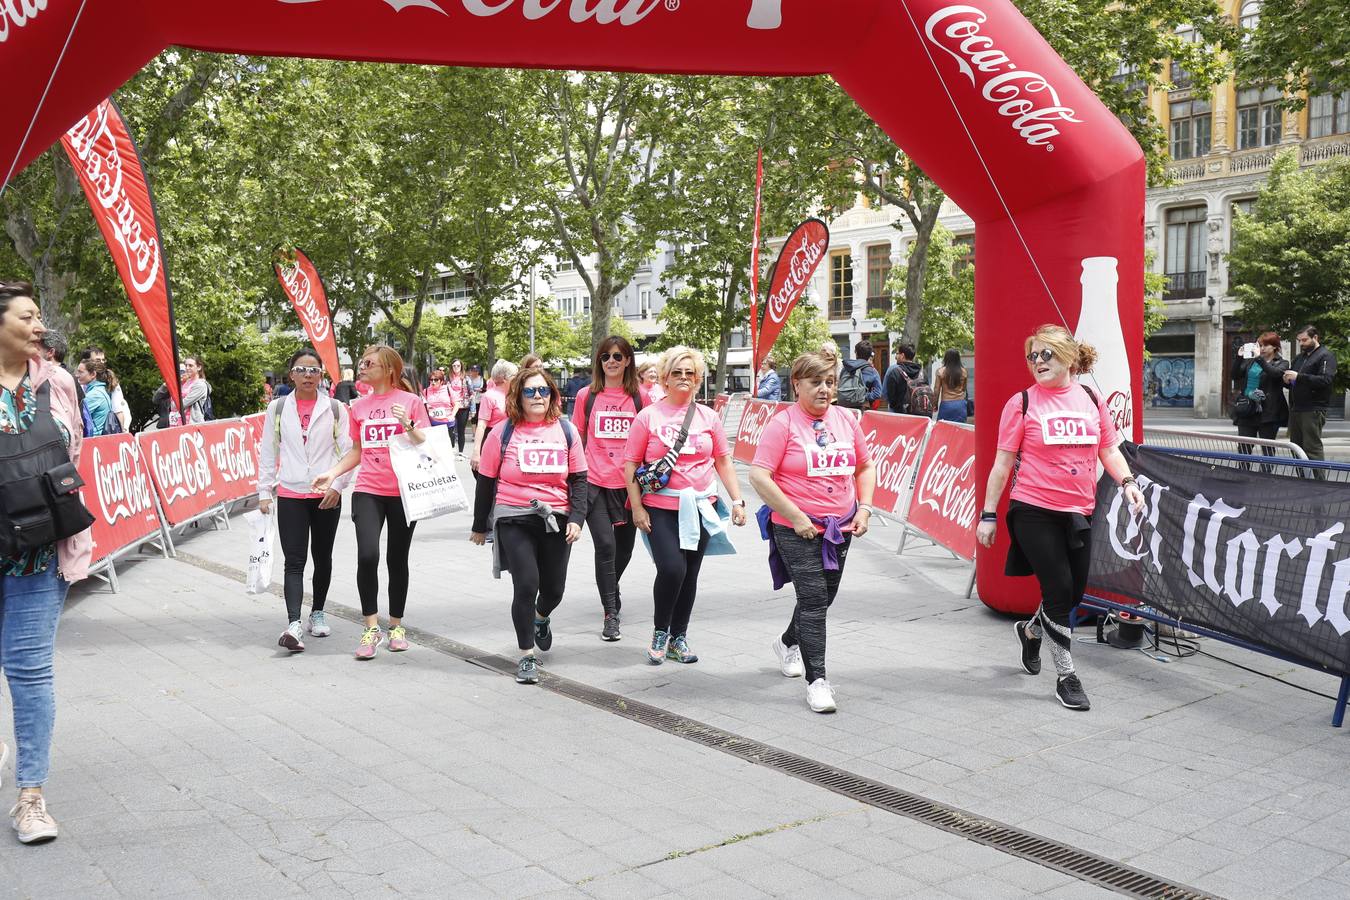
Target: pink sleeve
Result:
[772, 444]
[1110, 437]
[579, 410]
[354, 428]
[1010, 424]
[636, 448]
[418, 413]
[489, 463]
[719, 436]
[860, 441]
[576, 456]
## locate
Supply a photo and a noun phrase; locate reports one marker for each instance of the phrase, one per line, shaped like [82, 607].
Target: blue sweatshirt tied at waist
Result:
[700, 512]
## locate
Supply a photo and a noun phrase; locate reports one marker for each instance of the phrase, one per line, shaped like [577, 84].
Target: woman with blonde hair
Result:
[673, 449]
[649, 376]
[375, 420]
[492, 406]
[1053, 434]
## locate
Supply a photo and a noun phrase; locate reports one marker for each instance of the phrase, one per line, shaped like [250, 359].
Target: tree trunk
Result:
[729, 320]
[916, 272]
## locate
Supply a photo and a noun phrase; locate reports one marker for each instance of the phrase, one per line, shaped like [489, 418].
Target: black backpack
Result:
[851, 392]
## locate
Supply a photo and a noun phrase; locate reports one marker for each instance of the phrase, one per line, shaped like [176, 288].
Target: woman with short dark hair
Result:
[1259, 406]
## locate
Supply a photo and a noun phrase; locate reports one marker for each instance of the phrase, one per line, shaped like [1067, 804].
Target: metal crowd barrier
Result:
[1180, 439]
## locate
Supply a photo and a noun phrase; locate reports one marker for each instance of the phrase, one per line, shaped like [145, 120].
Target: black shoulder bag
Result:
[654, 476]
[40, 488]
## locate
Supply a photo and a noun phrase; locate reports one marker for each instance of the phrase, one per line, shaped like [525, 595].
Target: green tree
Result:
[1301, 45]
[1290, 262]
[948, 298]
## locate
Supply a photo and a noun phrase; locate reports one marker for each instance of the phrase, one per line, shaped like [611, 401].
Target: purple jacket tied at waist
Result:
[830, 542]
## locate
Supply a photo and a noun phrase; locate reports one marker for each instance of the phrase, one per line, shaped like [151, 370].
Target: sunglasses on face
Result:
[370, 364]
[684, 374]
[822, 436]
[536, 392]
[612, 357]
[1040, 355]
[306, 370]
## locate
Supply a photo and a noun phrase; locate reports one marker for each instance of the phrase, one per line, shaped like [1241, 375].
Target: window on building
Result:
[586, 304]
[564, 265]
[841, 285]
[645, 302]
[965, 248]
[567, 305]
[1189, 128]
[1185, 253]
[878, 270]
[1260, 118]
[1249, 17]
[1244, 206]
[1181, 79]
[1329, 114]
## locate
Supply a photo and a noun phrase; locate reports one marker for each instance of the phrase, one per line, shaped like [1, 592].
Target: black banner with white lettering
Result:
[1261, 557]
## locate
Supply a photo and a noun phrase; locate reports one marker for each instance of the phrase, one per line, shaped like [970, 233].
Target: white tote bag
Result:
[260, 557]
[427, 481]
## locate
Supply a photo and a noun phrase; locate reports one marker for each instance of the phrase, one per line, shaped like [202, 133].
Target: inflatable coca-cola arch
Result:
[1054, 183]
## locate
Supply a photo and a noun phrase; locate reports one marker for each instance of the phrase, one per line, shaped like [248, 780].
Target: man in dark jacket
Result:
[862, 364]
[1309, 379]
[898, 377]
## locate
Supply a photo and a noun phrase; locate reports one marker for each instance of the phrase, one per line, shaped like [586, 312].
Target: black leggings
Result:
[676, 572]
[613, 549]
[460, 426]
[816, 590]
[1043, 536]
[537, 561]
[369, 512]
[304, 528]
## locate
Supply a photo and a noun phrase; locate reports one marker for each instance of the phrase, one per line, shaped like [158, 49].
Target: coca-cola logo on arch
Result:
[604, 12]
[1022, 95]
[16, 14]
[122, 487]
[184, 471]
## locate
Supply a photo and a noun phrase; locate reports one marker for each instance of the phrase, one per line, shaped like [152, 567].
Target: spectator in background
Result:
[953, 390]
[345, 390]
[54, 350]
[119, 400]
[1309, 378]
[92, 375]
[769, 387]
[898, 378]
[267, 390]
[650, 378]
[862, 364]
[579, 380]
[196, 392]
[476, 386]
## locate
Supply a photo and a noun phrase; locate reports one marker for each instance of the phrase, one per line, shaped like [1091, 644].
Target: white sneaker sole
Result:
[38, 837]
[796, 671]
[823, 709]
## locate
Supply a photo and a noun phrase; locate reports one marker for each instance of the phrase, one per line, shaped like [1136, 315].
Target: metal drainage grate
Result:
[1008, 839]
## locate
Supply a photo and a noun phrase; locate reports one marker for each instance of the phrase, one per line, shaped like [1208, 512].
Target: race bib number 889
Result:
[1067, 429]
[612, 423]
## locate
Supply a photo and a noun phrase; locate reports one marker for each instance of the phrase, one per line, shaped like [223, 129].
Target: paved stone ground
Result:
[193, 758]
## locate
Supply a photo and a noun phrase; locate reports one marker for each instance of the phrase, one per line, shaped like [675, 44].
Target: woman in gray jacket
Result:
[304, 433]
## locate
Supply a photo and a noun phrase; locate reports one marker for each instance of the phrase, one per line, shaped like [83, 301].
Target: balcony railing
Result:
[1242, 162]
[1185, 285]
[880, 305]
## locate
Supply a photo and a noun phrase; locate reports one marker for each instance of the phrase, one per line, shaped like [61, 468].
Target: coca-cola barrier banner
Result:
[755, 416]
[797, 262]
[196, 467]
[302, 284]
[893, 442]
[110, 172]
[944, 505]
[118, 493]
[1261, 557]
[989, 111]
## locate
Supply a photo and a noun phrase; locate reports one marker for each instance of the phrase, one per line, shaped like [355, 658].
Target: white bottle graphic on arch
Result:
[1099, 325]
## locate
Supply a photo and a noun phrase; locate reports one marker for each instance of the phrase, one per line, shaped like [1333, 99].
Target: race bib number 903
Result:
[1066, 429]
[378, 432]
[542, 459]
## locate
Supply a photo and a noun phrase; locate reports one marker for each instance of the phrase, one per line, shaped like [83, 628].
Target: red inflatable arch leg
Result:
[970, 90]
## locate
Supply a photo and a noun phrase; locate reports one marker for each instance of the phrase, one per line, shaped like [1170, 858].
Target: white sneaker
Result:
[318, 624]
[292, 638]
[789, 659]
[820, 696]
[4, 758]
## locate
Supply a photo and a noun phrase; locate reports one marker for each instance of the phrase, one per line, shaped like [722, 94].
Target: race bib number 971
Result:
[833, 460]
[542, 459]
[1066, 429]
[613, 423]
[378, 432]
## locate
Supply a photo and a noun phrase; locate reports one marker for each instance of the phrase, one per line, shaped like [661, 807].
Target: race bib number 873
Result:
[825, 462]
[1067, 429]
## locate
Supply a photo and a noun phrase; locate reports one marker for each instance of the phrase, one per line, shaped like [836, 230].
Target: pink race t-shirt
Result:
[536, 464]
[1060, 438]
[492, 408]
[653, 434]
[459, 392]
[440, 406]
[606, 432]
[372, 427]
[305, 409]
[814, 466]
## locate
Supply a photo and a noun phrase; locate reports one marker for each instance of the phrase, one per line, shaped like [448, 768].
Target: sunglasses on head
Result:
[542, 391]
[1040, 355]
[306, 370]
[616, 356]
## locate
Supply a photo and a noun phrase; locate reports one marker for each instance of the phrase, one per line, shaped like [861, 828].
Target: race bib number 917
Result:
[1065, 429]
[542, 459]
[378, 432]
[833, 460]
[613, 423]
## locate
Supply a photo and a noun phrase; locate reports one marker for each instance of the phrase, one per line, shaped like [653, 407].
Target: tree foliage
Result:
[1301, 45]
[948, 297]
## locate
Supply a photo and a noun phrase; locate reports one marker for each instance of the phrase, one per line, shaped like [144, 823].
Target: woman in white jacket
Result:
[304, 434]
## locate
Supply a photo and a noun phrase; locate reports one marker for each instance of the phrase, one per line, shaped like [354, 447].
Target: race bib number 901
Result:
[378, 432]
[613, 423]
[833, 460]
[1067, 429]
[542, 459]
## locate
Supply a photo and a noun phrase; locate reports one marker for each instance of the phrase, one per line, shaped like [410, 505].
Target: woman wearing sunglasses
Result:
[440, 406]
[304, 433]
[815, 475]
[604, 415]
[532, 487]
[376, 419]
[681, 512]
[1053, 433]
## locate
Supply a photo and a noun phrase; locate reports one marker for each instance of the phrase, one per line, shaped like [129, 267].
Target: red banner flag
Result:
[797, 262]
[109, 167]
[302, 284]
[754, 263]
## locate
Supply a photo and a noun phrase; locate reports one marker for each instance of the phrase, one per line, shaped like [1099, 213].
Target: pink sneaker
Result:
[371, 639]
[398, 639]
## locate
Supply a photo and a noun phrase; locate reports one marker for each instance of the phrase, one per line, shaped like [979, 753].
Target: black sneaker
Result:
[1070, 692]
[611, 630]
[1031, 649]
[528, 671]
[543, 633]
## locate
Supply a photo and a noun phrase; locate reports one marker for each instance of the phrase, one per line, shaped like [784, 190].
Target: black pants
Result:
[1044, 536]
[677, 570]
[537, 561]
[613, 548]
[459, 427]
[305, 529]
[370, 512]
[816, 590]
[1257, 429]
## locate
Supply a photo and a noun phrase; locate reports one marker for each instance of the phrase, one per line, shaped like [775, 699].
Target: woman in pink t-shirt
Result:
[492, 408]
[532, 487]
[458, 386]
[679, 554]
[604, 414]
[814, 472]
[649, 376]
[377, 418]
[1059, 429]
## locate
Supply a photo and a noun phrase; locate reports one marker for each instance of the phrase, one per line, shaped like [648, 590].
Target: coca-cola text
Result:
[182, 472]
[604, 12]
[122, 487]
[299, 287]
[18, 13]
[949, 490]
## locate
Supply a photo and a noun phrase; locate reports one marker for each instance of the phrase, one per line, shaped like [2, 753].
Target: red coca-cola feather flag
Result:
[797, 262]
[302, 284]
[109, 167]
